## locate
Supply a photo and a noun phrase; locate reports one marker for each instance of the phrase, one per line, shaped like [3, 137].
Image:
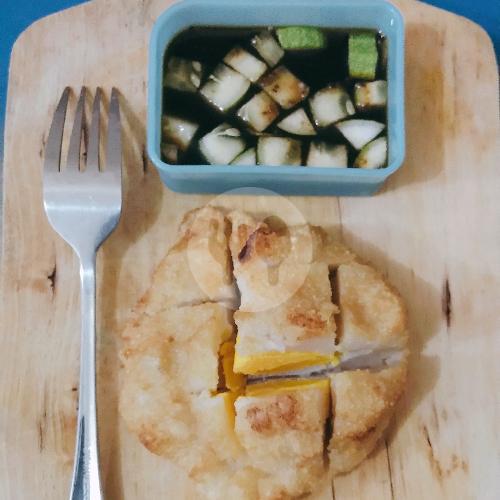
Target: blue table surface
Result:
[16, 16]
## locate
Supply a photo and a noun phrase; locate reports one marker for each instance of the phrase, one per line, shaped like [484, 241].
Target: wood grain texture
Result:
[433, 231]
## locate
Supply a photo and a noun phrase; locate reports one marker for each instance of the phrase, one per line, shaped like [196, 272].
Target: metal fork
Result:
[83, 205]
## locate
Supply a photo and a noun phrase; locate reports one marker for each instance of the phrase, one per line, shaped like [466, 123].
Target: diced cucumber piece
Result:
[373, 155]
[225, 87]
[183, 74]
[297, 123]
[284, 87]
[363, 55]
[259, 112]
[301, 38]
[178, 131]
[330, 105]
[246, 158]
[322, 154]
[268, 48]
[360, 132]
[245, 63]
[278, 151]
[369, 95]
[222, 145]
[170, 152]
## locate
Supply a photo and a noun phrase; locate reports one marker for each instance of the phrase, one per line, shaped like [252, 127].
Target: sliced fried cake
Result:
[232, 482]
[270, 263]
[362, 405]
[184, 337]
[181, 390]
[286, 317]
[281, 426]
[170, 378]
[197, 268]
[373, 317]
[296, 334]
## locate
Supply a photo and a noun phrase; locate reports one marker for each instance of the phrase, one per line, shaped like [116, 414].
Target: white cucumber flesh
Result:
[373, 155]
[360, 132]
[330, 105]
[225, 87]
[245, 63]
[297, 123]
[323, 154]
[222, 145]
[278, 151]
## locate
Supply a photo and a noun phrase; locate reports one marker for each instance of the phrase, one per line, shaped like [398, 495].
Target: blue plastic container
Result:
[370, 14]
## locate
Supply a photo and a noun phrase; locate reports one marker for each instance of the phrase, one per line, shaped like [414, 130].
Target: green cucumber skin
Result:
[301, 38]
[363, 56]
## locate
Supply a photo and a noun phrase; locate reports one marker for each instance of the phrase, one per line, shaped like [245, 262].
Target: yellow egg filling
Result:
[234, 382]
[229, 399]
[276, 362]
[286, 385]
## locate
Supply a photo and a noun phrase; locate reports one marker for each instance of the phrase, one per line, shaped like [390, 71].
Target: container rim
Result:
[156, 53]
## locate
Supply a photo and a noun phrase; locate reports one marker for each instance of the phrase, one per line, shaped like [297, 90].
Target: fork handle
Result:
[86, 482]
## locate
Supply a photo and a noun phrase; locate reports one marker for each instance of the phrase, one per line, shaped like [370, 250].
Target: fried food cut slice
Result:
[281, 426]
[307, 243]
[194, 431]
[286, 317]
[334, 253]
[270, 263]
[295, 334]
[184, 341]
[242, 226]
[189, 390]
[362, 405]
[373, 315]
[197, 268]
[170, 373]
[229, 482]
[216, 416]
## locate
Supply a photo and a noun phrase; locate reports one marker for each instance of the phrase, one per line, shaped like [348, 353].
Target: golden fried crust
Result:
[286, 303]
[363, 402]
[270, 264]
[373, 314]
[283, 437]
[295, 480]
[334, 253]
[173, 412]
[180, 337]
[191, 430]
[273, 448]
[197, 268]
[242, 226]
[229, 483]
[305, 322]
[258, 241]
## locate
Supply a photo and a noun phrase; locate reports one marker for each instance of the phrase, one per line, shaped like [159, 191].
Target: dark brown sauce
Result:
[316, 68]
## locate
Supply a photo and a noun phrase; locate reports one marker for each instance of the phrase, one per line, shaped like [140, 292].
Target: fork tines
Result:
[56, 133]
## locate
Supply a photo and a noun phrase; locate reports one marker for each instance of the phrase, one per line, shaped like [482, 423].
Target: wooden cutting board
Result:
[434, 231]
